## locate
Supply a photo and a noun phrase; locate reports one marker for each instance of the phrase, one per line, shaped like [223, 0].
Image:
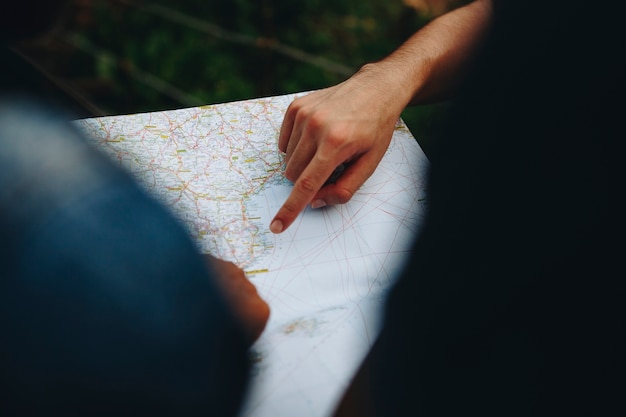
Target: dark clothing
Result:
[512, 303]
[106, 306]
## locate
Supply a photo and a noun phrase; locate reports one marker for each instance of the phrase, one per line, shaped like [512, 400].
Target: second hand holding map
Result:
[218, 169]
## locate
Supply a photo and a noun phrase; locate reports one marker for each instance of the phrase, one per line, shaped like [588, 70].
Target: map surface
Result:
[218, 169]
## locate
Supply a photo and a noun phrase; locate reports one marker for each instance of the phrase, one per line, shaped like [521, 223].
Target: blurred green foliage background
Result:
[132, 56]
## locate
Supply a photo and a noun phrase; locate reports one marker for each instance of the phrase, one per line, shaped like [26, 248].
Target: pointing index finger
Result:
[304, 189]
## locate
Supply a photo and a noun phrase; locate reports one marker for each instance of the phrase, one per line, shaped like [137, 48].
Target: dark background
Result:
[105, 57]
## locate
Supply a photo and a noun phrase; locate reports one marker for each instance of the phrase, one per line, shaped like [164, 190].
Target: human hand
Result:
[350, 124]
[249, 308]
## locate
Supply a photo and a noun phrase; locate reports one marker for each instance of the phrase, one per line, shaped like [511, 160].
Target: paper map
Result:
[219, 170]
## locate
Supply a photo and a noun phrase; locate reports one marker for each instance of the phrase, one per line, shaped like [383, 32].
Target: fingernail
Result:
[276, 226]
[317, 204]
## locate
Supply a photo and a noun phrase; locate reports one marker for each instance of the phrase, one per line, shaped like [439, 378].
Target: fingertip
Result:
[319, 203]
[277, 226]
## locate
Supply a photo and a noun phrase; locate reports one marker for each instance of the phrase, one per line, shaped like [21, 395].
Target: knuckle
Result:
[337, 137]
[316, 121]
[306, 185]
[294, 107]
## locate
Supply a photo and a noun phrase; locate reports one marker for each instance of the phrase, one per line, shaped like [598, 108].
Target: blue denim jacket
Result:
[106, 306]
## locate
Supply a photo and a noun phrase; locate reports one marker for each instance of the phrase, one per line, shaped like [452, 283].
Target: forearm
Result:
[429, 65]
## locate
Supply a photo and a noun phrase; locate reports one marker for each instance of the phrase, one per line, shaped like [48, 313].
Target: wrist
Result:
[389, 83]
